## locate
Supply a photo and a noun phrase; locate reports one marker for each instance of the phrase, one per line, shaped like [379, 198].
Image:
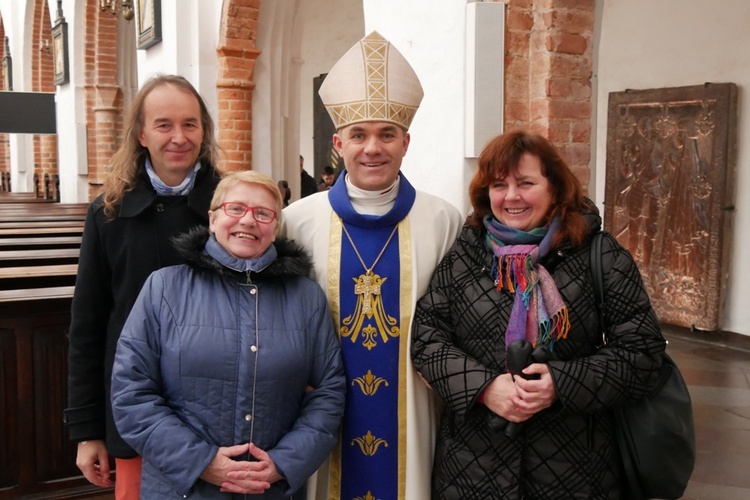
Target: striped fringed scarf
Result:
[539, 314]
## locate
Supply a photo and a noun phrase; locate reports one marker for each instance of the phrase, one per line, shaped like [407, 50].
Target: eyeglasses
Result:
[238, 210]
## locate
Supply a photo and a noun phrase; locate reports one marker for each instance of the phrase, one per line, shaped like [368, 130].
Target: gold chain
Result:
[368, 271]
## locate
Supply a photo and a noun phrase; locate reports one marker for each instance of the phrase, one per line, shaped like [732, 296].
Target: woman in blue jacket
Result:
[228, 376]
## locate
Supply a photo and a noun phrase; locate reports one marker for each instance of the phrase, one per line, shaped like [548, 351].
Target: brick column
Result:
[43, 80]
[237, 55]
[106, 113]
[103, 96]
[549, 61]
[235, 92]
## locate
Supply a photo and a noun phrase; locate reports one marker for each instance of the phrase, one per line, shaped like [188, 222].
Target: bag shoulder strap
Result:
[598, 276]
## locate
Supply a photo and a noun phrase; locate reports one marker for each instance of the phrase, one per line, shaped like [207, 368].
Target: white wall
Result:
[671, 43]
[21, 146]
[70, 101]
[190, 37]
[432, 39]
[329, 29]
[275, 133]
[298, 40]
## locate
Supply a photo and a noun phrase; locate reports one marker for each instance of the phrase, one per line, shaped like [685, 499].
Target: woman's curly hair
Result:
[502, 155]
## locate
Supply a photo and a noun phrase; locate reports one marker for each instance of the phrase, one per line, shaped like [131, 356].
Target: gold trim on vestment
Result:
[405, 306]
[334, 268]
[334, 301]
[405, 303]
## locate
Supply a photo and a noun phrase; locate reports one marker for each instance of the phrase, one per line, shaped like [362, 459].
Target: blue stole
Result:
[372, 317]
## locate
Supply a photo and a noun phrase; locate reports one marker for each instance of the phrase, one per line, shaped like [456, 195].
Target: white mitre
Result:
[372, 82]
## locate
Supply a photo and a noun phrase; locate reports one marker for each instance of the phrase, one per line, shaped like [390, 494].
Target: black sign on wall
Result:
[27, 113]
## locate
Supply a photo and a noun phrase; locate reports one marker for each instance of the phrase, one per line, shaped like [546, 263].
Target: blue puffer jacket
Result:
[212, 357]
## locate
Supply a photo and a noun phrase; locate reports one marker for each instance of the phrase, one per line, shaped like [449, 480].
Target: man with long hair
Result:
[160, 184]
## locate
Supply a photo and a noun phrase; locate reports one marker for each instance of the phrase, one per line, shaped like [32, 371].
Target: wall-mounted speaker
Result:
[485, 74]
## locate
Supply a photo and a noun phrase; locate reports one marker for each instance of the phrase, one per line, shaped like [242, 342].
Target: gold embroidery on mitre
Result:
[369, 444]
[361, 111]
[369, 305]
[390, 89]
[369, 383]
[376, 68]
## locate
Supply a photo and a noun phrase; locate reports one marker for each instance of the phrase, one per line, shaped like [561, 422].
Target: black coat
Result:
[308, 185]
[116, 258]
[567, 450]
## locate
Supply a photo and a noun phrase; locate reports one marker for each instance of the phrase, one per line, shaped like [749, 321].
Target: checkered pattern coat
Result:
[568, 450]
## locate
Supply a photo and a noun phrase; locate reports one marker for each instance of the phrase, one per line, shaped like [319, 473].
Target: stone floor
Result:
[718, 379]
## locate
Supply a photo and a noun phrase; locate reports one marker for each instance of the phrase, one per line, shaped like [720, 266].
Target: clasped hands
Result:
[517, 399]
[251, 478]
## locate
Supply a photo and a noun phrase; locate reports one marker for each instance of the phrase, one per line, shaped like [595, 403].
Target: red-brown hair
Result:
[502, 155]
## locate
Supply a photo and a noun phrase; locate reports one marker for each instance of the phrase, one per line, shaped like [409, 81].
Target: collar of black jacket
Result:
[143, 195]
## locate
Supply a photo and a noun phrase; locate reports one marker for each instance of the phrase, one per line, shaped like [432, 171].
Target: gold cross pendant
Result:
[367, 285]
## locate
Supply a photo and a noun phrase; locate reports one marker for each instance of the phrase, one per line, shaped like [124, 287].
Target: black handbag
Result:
[656, 434]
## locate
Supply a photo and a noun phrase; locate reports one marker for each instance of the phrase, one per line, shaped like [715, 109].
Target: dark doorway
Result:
[323, 130]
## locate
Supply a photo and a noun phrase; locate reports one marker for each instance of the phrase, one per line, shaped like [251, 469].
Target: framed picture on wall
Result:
[148, 22]
[60, 52]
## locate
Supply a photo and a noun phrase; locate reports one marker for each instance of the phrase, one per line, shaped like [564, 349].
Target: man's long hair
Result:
[123, 167]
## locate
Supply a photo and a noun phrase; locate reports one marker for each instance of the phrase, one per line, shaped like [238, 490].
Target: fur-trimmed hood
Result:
[291, 261]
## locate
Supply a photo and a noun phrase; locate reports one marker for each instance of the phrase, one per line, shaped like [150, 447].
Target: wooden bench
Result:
[6, 197]
[28, 257]
[51, 207]
[44, 220]
[36, 294]
[37, 276]
[43, 208]
[36, 241]
[5, 182]
[37, 271]
[40, 230]
[11, 220]
[41, 222]
[11, 213]
[48, 191]
[13, 196]
[39, 246]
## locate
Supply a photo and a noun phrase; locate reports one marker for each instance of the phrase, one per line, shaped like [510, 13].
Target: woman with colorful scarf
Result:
[519, 274]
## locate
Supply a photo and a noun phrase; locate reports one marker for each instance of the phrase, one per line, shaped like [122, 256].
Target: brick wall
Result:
[549, 61]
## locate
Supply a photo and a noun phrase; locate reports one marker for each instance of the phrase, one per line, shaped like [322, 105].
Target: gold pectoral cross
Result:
[367, 285]
[369, 302]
